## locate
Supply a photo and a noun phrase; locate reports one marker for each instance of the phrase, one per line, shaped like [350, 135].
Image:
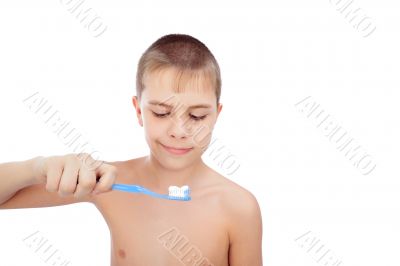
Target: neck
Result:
[160, 176]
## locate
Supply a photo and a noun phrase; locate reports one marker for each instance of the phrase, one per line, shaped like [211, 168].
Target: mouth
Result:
[175, 150]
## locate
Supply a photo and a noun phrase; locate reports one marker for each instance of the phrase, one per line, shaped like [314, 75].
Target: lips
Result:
[176, 150]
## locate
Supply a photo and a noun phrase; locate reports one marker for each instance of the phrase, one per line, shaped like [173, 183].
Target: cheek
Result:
[202, 135]
[154, 133]
[153, 126]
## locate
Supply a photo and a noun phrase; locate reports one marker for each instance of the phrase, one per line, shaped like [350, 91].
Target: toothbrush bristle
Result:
[179, 192]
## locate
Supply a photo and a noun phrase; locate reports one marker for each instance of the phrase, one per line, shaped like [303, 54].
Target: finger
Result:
[86, 182]
[88, 161]
[69, 178]
[107, 175]
[53, 177]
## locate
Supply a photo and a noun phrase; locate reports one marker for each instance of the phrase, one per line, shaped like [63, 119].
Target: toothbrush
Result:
[174, 192]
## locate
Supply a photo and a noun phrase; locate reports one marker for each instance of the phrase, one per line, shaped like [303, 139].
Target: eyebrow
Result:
[153, 102]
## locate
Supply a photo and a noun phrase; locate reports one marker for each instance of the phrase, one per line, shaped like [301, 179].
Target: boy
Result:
[178, 89]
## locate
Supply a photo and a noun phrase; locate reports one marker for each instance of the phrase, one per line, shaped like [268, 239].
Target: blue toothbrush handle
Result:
[128, 188]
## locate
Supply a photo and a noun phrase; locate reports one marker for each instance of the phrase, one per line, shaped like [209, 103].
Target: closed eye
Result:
[196, 118]
[160, 115]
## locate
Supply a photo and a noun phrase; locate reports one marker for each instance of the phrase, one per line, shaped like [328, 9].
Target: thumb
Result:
[107, 174]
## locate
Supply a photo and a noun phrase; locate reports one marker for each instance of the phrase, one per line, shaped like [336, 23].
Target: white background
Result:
[272, 55]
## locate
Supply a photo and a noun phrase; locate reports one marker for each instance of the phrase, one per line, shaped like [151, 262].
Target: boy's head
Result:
[178, 88]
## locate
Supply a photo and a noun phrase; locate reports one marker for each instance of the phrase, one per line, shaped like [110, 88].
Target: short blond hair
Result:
[189, 56]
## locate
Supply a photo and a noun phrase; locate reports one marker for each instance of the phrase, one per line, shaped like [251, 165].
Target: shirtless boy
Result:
[177, 103]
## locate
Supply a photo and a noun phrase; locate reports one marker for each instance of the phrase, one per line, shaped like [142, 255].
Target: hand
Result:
[74, 174]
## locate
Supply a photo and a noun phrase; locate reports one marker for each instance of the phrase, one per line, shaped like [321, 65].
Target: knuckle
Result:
[113, 170]
[84, 154]
[69, 161]
[48, 164]
[70, 157]
[85, 157]
[53, 168]
[87, 183]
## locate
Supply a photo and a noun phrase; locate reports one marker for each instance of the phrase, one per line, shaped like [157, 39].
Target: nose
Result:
[179, 128]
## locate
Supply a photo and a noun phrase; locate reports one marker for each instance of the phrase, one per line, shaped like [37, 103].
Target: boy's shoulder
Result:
[236, 199]
[240, 208]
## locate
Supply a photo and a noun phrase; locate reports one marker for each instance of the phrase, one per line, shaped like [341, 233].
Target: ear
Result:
[219, 109]
[136, 104]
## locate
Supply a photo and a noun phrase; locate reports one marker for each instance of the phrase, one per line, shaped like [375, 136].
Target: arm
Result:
[53, 181]
[15, 176]
[245, 233]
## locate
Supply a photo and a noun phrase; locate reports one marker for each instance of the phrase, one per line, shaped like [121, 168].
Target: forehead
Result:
[175, 86]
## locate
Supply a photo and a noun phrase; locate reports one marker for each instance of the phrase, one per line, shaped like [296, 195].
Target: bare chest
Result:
[148, 231]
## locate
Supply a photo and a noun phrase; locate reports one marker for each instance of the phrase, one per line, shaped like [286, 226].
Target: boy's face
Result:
[182, 120]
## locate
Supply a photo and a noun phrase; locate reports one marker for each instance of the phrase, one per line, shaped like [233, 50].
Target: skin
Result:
[221, 225]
